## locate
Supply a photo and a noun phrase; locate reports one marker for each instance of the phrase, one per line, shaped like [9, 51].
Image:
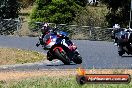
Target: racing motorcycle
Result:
[124, 41]
[60, 47]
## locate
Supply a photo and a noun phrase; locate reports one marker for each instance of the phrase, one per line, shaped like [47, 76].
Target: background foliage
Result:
[26, 3]
[9, 9]
[92, 16]
[119, 12]
[56, 11]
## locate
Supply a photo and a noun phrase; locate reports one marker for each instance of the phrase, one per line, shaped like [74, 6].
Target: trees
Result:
[9, 9]
[119, 12]
[26, 3]
[81, 2]
[56, 11]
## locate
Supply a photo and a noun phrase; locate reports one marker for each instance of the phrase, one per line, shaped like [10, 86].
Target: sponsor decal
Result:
[83, 78]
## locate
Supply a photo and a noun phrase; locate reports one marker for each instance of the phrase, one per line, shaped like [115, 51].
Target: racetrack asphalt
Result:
[96, 54]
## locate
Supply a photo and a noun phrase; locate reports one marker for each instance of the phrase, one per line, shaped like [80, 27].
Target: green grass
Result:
[56, 82]
[19, 56]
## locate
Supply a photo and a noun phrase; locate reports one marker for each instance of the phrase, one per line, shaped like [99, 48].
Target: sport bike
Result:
[124, 41]
[60, 47]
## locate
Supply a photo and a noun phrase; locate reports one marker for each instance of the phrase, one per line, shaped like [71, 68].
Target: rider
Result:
[45, 30]
[115, 31]
[121, 36]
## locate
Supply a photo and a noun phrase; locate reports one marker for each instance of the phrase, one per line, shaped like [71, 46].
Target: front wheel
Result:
[77, 58]
[120, 53]
[61, 55]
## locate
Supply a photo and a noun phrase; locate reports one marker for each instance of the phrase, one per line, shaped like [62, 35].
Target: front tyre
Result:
[61, 55]
[120, 53]
[77, 58]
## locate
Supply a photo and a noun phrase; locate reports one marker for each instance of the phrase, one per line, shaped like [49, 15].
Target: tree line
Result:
[64, 11]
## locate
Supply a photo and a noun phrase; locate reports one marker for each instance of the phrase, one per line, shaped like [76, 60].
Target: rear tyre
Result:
[62, 56]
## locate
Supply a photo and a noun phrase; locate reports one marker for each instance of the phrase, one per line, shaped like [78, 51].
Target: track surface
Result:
[96, 54]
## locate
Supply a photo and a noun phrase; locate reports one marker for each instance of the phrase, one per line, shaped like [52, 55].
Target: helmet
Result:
[45, 28]
[116, 26]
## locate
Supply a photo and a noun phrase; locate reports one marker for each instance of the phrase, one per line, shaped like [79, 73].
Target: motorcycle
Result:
[124, 41]
[60, 47]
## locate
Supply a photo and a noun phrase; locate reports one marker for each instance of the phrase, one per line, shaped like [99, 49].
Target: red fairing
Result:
[58, 48]
[48, 41]
[58, 36]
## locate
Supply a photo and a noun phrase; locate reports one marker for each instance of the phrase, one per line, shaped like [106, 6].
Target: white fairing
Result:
[50, 45]
[53, 41]
[64, 42]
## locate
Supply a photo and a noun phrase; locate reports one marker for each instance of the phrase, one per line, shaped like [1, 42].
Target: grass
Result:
[19, 56]
[56, 82]
[55, 79]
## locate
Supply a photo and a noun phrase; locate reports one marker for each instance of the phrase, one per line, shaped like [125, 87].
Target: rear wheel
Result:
[62, 56]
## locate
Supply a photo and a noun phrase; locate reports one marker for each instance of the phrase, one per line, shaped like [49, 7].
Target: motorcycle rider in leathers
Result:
[45, 30]
[121, 36]
[115, 33]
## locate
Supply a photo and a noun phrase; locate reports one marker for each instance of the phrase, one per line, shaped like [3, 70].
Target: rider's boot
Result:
[41, 41]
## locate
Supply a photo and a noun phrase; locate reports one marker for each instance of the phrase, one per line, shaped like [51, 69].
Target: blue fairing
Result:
[63, 33]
